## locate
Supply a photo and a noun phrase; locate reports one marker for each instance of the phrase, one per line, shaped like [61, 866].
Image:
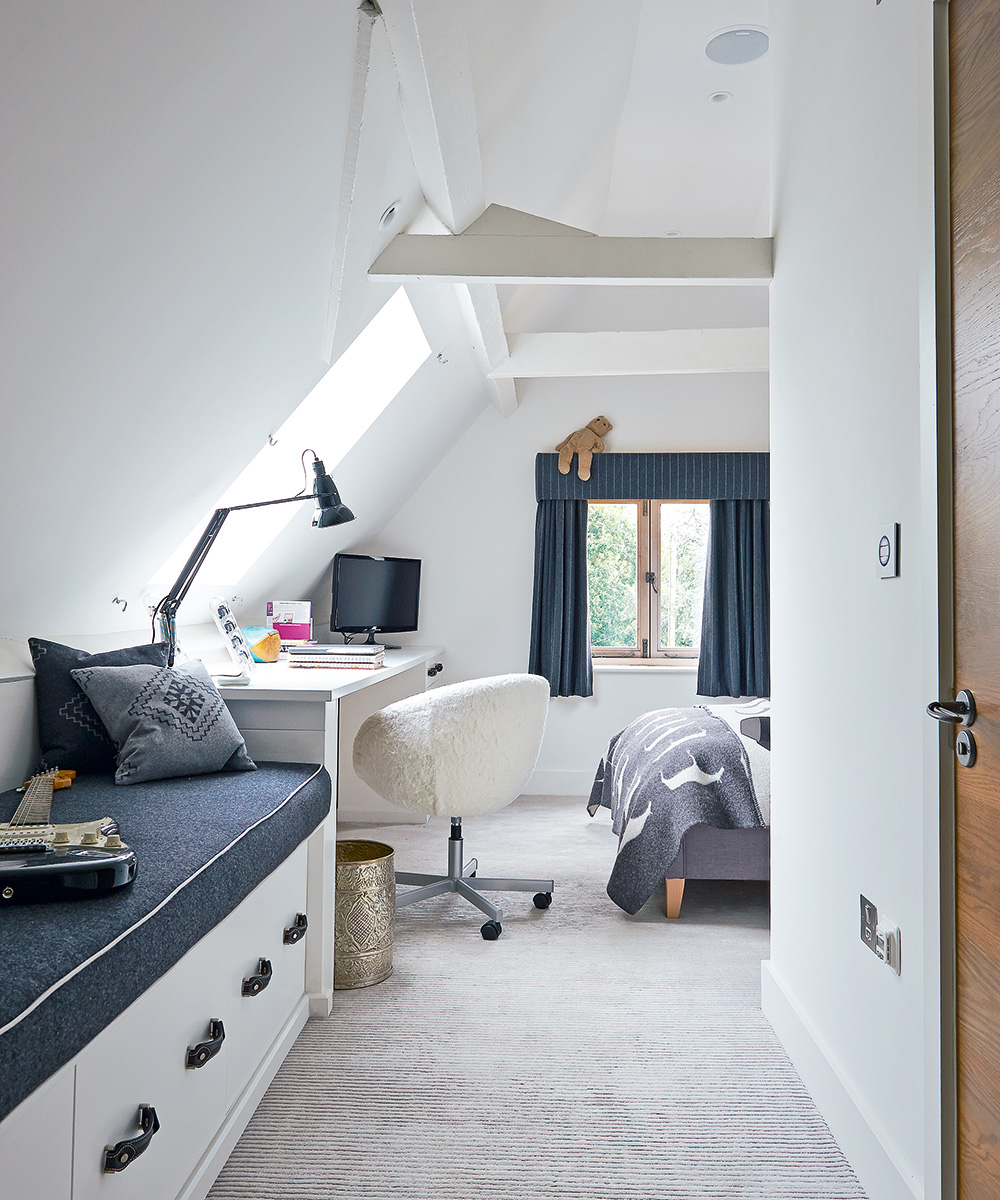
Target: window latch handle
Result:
[651, 579]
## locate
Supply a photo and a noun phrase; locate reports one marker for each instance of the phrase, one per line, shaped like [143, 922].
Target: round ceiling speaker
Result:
[733, 47]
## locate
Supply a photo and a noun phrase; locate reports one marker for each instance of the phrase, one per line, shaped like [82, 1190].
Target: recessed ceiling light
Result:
[720, 97]
[672, 233]
[733, 47]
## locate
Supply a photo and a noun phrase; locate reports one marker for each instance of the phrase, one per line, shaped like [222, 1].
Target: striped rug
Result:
[585, 1055]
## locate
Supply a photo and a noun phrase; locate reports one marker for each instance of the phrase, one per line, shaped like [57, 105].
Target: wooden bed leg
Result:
[675, 893]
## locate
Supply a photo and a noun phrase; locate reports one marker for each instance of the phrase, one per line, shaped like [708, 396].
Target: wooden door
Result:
[975, 181]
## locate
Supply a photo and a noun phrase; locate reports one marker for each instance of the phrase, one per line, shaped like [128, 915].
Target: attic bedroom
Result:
[423, 423]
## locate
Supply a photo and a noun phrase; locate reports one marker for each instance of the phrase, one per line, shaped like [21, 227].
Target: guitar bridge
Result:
[22, 846]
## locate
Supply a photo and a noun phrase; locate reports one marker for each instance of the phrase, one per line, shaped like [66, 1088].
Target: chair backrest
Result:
[458, 750]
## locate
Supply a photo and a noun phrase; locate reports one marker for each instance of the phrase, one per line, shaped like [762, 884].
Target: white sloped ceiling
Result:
[173, 217]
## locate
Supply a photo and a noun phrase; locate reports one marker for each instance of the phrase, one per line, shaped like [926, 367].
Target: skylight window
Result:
[345, 403]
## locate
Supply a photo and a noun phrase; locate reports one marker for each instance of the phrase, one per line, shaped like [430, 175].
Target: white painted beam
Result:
[431, 53]
[373, 93]
[659, 352]
[507, 247]
[481, 306]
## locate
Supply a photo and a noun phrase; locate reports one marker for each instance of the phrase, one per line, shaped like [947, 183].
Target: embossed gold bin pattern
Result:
[365, 914]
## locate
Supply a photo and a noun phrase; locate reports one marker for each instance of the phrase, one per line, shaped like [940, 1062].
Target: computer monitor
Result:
[374, 595]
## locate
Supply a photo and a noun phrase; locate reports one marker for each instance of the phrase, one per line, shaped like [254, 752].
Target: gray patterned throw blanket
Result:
[670, 769]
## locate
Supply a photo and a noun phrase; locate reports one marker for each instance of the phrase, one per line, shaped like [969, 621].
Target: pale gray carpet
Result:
[586, 1054]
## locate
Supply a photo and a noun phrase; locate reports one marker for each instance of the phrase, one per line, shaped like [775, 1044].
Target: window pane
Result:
[612, 565]
[683, 547]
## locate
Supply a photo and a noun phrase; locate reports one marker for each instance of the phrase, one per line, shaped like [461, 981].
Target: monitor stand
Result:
[370, 641]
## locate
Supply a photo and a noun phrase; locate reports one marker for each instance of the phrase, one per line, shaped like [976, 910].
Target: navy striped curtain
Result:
[560, 612]
[735, 643]
[735, 658]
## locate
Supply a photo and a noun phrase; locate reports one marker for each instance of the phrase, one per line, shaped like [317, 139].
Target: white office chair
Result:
[458, 751]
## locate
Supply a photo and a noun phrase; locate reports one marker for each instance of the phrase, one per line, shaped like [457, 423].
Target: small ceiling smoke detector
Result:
[733, 47]
[720, 97]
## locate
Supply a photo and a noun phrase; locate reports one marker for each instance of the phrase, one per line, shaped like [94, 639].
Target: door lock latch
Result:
[965, 748]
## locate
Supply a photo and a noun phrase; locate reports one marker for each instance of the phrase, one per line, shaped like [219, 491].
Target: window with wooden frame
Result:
[646, 578]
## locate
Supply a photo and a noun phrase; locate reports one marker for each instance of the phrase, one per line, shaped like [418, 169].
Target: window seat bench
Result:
[101, 997]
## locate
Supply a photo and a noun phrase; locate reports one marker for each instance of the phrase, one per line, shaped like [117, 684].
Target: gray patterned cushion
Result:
[165, 721]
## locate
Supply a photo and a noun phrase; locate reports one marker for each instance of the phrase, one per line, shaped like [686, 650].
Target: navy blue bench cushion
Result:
[203, 844]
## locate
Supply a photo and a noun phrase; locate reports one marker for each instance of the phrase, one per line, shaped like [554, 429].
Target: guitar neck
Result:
[36, 806]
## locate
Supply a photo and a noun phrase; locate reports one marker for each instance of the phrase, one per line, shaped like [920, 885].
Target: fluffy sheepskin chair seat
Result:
[458, 751]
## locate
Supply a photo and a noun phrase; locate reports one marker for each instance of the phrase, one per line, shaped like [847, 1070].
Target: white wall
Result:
[169, 216]
[852, 666]
[472, 523]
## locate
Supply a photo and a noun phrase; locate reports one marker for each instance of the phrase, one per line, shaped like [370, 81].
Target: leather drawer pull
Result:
[203, 1052]
[295, 933]
[118, 1157]
[255, 984]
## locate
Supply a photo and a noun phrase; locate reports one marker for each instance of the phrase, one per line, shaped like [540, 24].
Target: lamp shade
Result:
[330, 509]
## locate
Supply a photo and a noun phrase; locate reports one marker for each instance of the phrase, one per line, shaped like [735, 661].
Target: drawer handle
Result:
[296, 932]
[255, 984]
[118, 1157]
[203, 1052]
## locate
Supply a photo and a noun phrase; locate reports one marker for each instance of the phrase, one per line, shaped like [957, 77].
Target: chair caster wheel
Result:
[542, 899]
[491, 930]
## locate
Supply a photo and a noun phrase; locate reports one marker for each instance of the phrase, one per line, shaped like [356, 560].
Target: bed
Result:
[689, 792]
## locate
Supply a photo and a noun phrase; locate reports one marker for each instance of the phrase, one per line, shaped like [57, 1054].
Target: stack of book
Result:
[365, 656]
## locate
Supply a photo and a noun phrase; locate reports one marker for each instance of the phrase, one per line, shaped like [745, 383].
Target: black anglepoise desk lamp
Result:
[330, 510]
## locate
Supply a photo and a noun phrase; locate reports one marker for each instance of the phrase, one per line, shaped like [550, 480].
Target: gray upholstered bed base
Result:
[708, 853]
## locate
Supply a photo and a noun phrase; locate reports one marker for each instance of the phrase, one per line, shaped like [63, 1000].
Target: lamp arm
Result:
[166, 610]
[263, 503]
[172, 600]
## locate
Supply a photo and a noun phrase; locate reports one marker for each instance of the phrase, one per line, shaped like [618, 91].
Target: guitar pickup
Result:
[24, 846]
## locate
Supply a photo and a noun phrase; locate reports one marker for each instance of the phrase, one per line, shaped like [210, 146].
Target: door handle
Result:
[960, 711]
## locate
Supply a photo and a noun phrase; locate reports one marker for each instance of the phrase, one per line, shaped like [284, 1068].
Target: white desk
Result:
[304, 714]
[311, 714]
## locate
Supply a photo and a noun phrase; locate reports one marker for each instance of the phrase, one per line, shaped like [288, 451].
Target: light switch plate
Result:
[869, 923]
[888, 551]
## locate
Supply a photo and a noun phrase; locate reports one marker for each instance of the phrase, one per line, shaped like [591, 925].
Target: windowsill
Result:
[678, 666]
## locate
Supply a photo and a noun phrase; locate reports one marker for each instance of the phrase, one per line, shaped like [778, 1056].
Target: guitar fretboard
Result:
[34, 809]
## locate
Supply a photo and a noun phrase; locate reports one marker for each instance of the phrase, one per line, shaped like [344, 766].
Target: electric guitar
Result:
[40, 860]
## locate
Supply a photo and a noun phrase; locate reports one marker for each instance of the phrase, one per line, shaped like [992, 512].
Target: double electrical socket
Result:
[882, 940]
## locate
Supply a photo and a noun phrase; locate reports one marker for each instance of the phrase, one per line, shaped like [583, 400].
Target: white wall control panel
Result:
[888, 551]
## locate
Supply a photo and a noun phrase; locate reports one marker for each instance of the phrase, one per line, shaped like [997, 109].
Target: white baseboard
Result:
[559, 783]
[880, 1168]
[371, 816]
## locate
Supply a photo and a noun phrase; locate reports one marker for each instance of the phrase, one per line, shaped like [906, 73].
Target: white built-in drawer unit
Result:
[60, 1134]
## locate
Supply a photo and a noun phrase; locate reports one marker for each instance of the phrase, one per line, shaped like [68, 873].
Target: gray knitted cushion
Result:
[165, 721]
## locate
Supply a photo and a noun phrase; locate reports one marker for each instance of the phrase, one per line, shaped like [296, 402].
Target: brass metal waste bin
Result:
[365, 914]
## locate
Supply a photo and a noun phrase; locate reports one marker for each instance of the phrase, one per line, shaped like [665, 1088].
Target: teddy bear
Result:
[584, 443]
